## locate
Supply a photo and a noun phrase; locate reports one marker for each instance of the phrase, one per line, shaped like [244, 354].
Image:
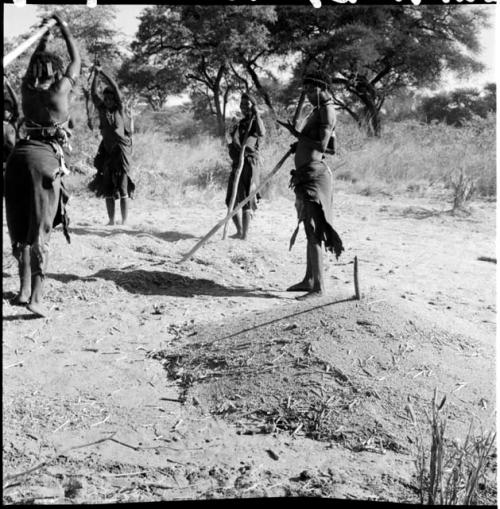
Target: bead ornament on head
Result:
[318, 79]
[317, 83]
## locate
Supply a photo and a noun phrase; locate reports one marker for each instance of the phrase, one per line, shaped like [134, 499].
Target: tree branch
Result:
[238, 76]
[258, 85]
[198, 78]
[345, 107]
[381, 74]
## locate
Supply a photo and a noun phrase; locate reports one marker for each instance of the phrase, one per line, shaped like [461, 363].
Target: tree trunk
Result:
[367, 94]
[366, 115]
[219, 109]
[370, 120]
[154, 103]
[219, 114]
[258, 85]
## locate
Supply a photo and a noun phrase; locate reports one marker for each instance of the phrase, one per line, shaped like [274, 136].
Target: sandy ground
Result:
[207, 380]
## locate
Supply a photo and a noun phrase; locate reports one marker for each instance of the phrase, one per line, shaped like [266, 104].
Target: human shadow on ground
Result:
[8, 296]
[146, 282]
[24, 316]
[172, 236]
[68, 278]
[167, 236]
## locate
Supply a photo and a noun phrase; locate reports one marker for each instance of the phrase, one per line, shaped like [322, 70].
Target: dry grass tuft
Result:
[455, 473]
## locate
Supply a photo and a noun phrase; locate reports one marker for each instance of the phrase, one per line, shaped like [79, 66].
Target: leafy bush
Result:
[458, 106]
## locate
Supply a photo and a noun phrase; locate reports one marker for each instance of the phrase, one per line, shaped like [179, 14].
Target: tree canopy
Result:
[460, 105]
[93, 29]
[206, 46]
[372, 51]
[213, 53]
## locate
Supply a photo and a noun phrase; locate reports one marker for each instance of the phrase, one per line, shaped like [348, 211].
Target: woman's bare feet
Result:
[20, 300]
[311, 295]
[38, 309]
[303, 286]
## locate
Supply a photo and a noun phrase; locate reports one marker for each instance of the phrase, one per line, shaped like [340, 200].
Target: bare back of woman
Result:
[33, 175]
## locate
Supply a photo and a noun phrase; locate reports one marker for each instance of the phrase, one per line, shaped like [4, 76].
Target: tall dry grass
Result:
[409, 157]
[455, 472]
[420, 158]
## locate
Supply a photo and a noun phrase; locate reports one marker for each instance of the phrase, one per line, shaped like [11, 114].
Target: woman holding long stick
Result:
[113, 156]
[34, 190]
[246, 136]
[312, 183]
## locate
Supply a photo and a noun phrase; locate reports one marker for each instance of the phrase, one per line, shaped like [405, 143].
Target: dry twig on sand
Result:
[487, 259]
[62, 453]
[10, 477]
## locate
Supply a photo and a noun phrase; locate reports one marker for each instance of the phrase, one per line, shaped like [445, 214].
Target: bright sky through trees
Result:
[19, 20]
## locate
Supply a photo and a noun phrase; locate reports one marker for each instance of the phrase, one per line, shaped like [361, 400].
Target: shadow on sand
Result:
[325, 301]
[155, 282]
[8, 296]
[107, 231]
[24, 316]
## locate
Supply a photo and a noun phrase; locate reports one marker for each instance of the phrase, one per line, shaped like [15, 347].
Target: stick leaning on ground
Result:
[238, 208]
[231, 213]
[10, 57]
[298, 110]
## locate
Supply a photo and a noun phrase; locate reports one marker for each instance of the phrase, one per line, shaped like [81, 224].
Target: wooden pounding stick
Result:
[237, 208]
[10, 57]
[230, 214]
[236, 181]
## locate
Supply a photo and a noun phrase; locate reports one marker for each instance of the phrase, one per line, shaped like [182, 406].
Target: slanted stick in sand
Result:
[298, 110]
[20, 363]
[237, 175]
[237, 208]
[231, 213]
[10, 57]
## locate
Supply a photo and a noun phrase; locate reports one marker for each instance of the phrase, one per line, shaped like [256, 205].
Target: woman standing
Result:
[113, 156]
[246, 136]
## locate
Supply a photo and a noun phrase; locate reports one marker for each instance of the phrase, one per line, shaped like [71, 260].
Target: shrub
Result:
[458, 106]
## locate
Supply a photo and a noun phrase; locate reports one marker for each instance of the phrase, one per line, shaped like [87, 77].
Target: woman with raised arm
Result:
[34, 192]
[113, 156]
[312, 183]
[10, 120]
